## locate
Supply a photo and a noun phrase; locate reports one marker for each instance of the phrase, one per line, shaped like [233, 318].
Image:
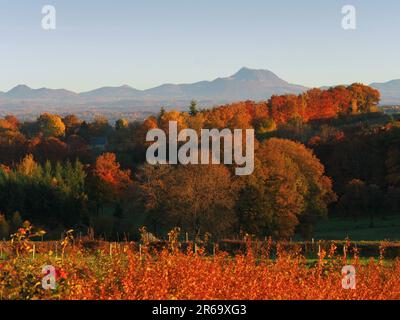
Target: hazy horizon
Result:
[132, 86]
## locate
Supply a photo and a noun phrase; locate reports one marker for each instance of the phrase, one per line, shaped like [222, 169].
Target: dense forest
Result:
[323, 152]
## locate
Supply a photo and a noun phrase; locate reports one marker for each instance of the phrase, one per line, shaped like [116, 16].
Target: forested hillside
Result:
[320, 153]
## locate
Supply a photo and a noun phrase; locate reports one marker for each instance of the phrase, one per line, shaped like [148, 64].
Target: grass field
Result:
[339, 228]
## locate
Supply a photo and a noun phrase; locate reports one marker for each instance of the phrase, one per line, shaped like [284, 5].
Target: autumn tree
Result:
[13, 146]
[109, 181]
[121, 124]
[287, 190]
[51, 125]
[198, 199]
[50, 148]
[364, 98]
[265, 125]
[72, 124]
[173, 115]
[15, 123]
[197, 122]
[282, 108]
[342, 97]
[27, 166]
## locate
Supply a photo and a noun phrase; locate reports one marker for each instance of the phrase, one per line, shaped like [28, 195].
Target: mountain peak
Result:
[20, 90]
[247, 74]
[20, 87]
[124, 91]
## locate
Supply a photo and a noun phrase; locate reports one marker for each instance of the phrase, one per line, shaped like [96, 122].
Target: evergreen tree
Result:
[193, 108]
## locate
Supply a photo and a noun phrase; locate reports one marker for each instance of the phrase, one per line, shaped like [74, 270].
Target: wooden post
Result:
[140, 251]
[33, 252]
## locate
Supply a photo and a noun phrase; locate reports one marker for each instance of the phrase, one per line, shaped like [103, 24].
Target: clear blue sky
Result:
[149, 42]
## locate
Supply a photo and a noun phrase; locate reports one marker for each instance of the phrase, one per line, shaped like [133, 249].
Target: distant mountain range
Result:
[244, 84]
[390, 91]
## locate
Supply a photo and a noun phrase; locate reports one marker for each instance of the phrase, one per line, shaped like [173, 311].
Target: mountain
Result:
[245, 84]
[24, 92]
[112, 92]
[253, 84]
[390, 91]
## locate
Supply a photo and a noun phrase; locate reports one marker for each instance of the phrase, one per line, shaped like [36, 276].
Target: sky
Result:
[150, 42]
